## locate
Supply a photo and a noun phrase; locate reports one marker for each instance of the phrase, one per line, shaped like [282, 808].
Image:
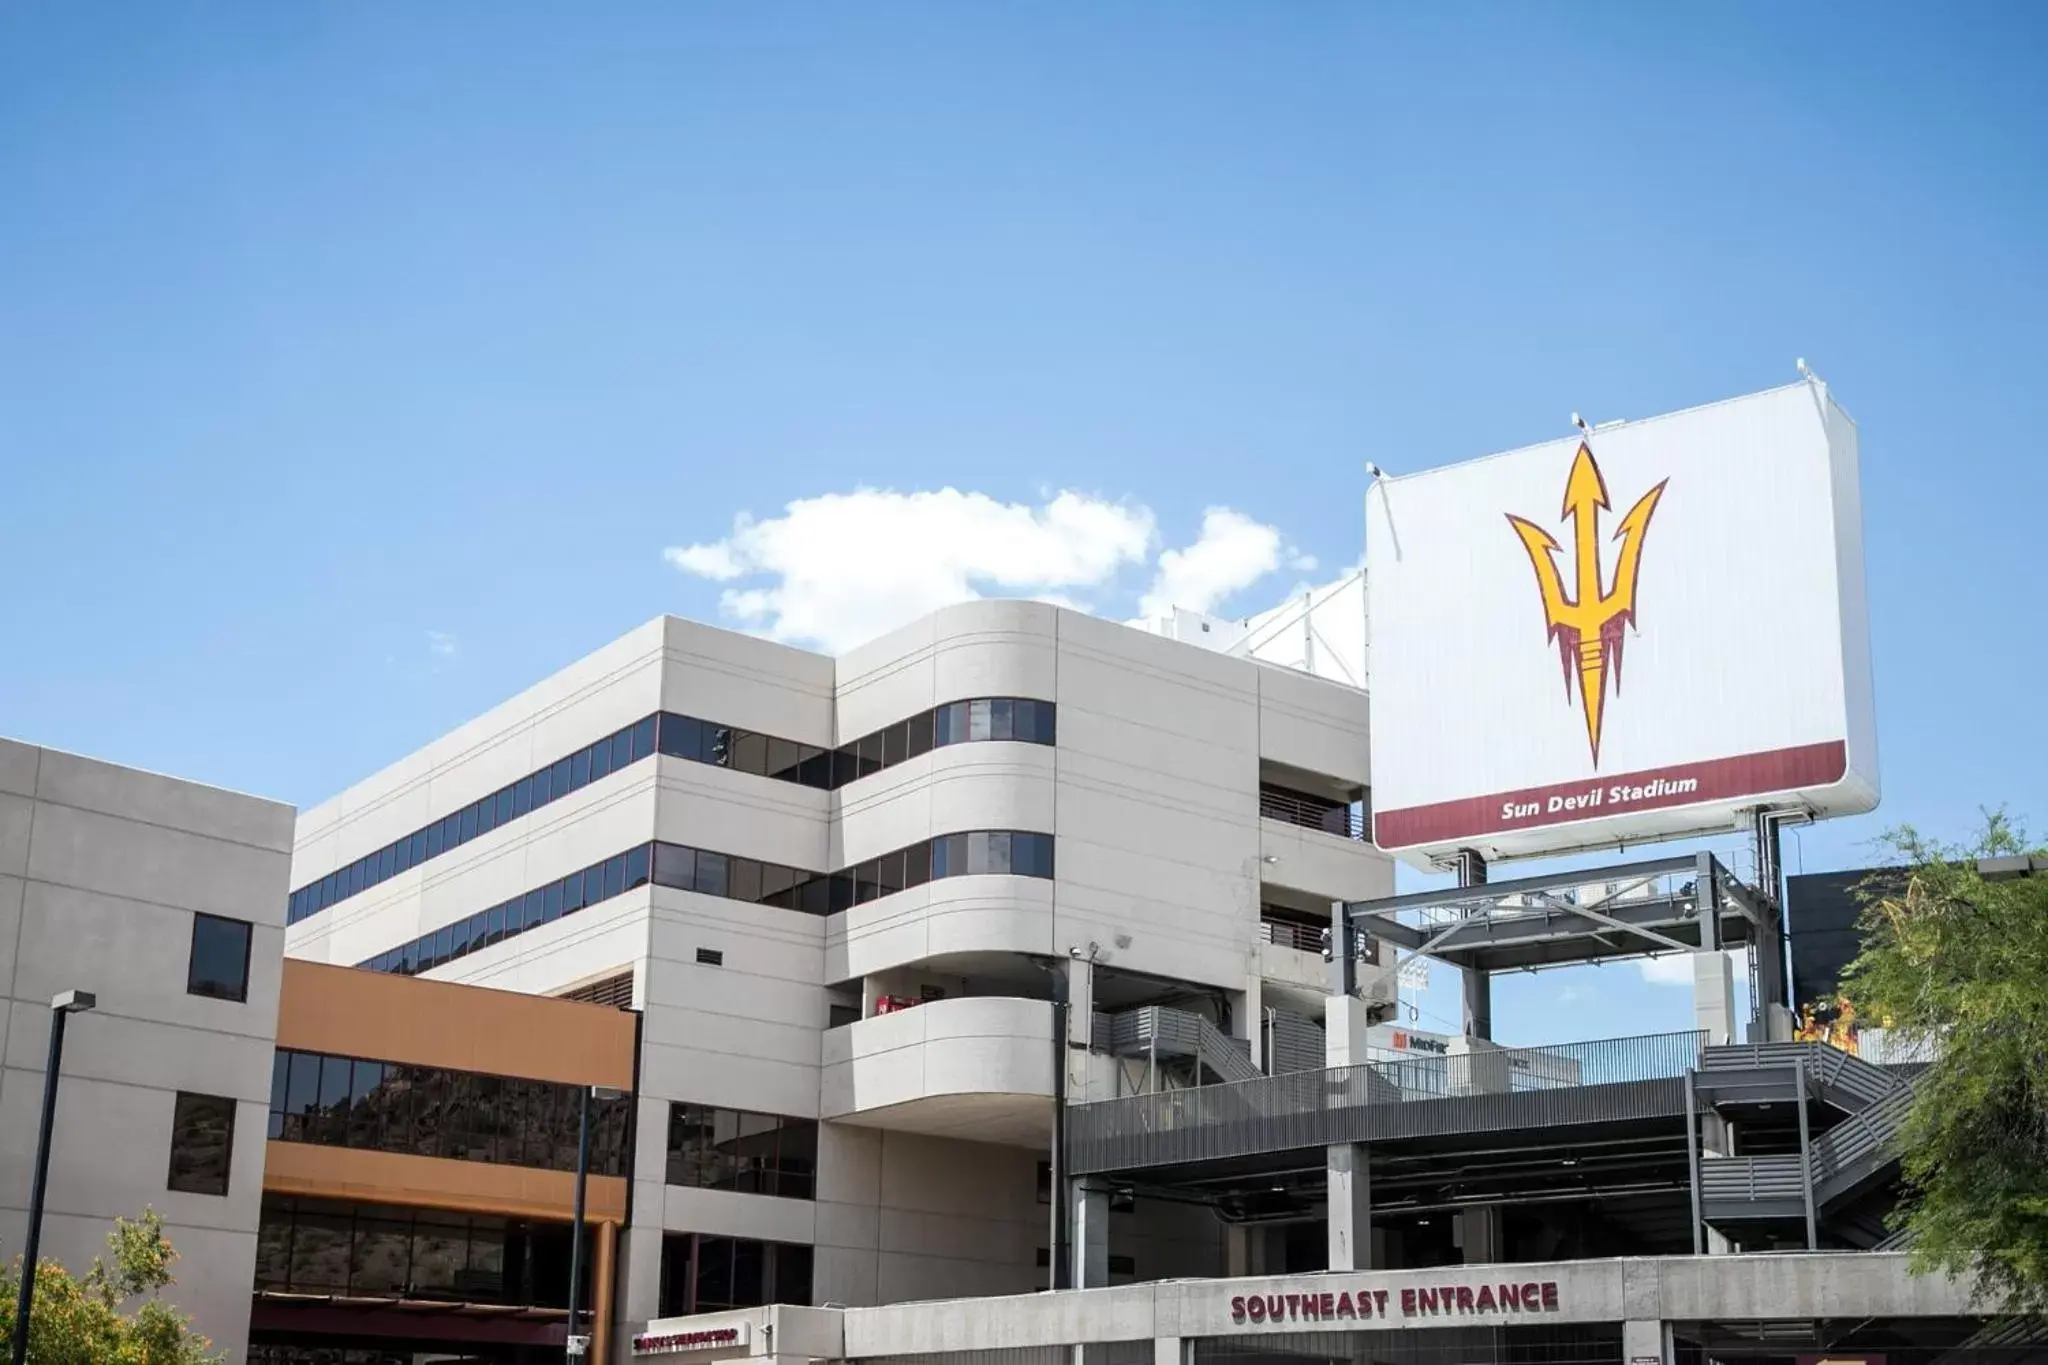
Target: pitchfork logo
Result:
[1586, 626]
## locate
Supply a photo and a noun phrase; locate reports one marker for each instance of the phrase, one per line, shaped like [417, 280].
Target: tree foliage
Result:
[81, 1320]
[1959, 964]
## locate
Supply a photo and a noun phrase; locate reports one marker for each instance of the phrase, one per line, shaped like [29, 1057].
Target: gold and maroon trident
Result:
[1586, 627]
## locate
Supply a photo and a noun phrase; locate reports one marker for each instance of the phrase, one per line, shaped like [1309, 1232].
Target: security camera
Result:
[1581, 423]
[1373, 471]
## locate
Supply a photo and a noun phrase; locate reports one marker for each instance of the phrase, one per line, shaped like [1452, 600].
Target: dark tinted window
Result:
[705, 1274]
[983, 852]
[202, 1143]
[370, 1251]
[219, 965]
[750, 752]
[434, 1111]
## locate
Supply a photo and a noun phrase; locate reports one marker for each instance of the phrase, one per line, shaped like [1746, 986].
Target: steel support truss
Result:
[1691, 903]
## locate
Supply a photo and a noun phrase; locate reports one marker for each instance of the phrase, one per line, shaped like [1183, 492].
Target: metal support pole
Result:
[1478, 984]
[576, 1231]
[1343, 964]
[60, 1008]
[1692, 1161]
[1769, 947]
[1057, 1181]
[1805, 1152]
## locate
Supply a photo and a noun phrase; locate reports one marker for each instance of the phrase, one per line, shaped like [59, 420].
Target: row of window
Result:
[1018, 853]
[434, 1111]
[728, 1149]
[542, 905]
[317, 1246]
[700, 741]
[478, 818]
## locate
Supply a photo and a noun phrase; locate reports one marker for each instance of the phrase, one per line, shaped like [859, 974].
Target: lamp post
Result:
[578, 1346]
[61, 1008]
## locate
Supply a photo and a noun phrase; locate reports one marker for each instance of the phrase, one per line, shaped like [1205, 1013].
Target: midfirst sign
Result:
[1411, 1304]
[1633, 633]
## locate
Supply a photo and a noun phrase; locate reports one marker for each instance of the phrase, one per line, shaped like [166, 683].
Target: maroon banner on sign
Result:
[1683, 784]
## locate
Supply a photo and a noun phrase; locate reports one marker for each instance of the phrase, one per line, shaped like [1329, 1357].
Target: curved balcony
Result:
[978, 1068]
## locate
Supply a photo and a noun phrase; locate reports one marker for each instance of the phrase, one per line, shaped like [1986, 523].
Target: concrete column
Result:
[1478, 1067]
[641, 1301]
[1089, 1213]
[1717, 1140]
[1478, 1004]
[1249, 1021]
[1080, 1027]
[1645, 1342]
[1169, 1351]
[1479, 1235]
[1713, 997]
[1350, 1213]
[1244, 1249]
[1346, 1020]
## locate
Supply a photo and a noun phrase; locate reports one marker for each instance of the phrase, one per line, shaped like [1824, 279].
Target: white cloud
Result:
[441, 644]
[1672, 969]
[1233, 552]
[847, 567]
[713, 561]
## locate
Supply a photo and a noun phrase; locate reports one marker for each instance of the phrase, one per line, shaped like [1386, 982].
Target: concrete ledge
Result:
[1671, 1289]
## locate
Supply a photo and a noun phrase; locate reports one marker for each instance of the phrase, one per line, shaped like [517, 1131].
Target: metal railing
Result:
[1277, 803]
[1288, 934]
[1850, 1151]
[1481, 1091]
[1748, 1180]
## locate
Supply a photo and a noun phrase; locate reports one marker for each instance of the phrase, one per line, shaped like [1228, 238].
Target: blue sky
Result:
[358, 364]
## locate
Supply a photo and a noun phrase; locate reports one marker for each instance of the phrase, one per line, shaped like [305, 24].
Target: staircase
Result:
[1760, 1088]
[1157, 1031]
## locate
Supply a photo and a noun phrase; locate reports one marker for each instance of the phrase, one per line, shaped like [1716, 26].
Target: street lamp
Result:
[63, 1006]
[578, 1346]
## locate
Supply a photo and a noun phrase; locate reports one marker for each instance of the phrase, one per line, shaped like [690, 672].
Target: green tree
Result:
[80, 1321]
[1959, 964]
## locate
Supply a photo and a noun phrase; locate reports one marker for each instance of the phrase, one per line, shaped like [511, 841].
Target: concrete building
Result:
[165, 899]
[854, 899]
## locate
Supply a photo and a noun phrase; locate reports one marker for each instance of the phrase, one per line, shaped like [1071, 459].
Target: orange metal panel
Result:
[306, 1170]
[390, 1018]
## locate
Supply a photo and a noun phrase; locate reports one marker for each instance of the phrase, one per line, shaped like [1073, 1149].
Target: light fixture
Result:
[62, 1007]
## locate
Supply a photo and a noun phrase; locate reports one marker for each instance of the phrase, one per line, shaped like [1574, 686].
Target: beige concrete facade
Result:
[102, 871]
[935, 1120]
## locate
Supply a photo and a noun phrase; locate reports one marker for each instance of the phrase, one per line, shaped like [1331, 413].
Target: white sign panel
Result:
[663, 1339]
[1623, 636]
